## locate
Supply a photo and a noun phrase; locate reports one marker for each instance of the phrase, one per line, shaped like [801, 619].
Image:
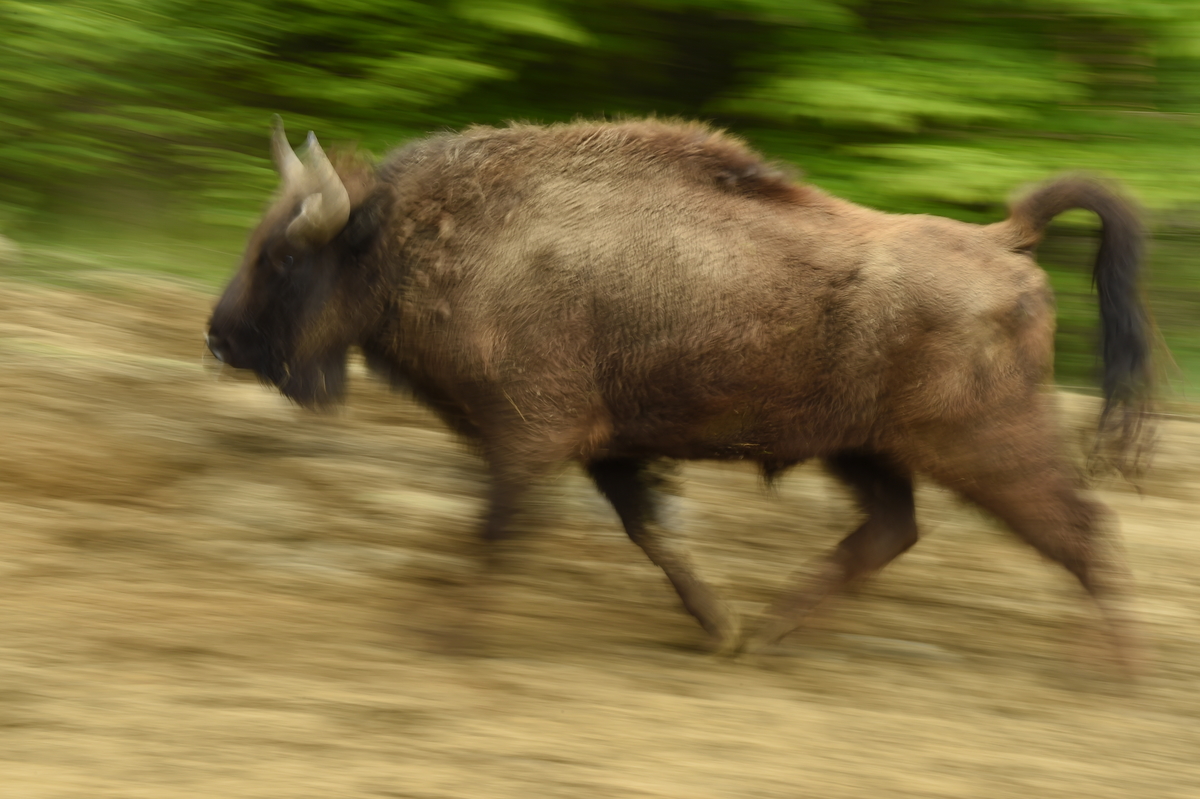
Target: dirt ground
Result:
[205, 592]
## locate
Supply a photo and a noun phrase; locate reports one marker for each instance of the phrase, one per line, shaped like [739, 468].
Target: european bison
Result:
[616, 293]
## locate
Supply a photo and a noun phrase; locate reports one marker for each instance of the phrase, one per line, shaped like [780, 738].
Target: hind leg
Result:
[626, 485]
[885, 492]
[1014, 472]
[1046, 511]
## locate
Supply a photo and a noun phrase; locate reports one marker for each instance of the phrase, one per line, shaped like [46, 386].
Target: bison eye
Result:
[287, 261]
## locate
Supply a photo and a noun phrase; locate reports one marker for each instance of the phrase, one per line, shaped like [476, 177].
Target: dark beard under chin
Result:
[316, 385]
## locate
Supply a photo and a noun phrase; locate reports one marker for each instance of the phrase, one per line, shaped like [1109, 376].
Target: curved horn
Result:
[326, 209]
[286, 162]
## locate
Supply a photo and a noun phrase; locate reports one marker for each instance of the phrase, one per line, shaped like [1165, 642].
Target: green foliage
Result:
[943, 104]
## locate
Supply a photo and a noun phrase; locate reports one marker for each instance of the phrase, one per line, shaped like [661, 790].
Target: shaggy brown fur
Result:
[618, 293]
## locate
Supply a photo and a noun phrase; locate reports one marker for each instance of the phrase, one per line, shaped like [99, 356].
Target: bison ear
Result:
[363, 225]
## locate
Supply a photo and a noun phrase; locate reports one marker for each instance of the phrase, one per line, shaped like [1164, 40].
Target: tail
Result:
[1125, 327]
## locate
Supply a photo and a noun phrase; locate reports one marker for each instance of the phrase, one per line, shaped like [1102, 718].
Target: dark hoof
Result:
[725, 633]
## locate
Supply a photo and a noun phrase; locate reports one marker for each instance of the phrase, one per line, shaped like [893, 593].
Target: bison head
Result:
[300, 298]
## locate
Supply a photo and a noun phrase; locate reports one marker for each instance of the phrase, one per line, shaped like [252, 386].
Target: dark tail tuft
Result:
[1125, 326]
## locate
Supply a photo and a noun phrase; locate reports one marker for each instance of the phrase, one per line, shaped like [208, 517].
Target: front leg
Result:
[625, 484]
[475, 604]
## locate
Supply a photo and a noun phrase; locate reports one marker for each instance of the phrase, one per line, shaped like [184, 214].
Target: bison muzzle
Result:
[617, 293]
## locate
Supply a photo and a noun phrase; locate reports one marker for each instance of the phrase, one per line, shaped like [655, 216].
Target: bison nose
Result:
[216, 345]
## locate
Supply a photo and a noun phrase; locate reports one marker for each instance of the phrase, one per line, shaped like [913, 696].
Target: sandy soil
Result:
[207, 593]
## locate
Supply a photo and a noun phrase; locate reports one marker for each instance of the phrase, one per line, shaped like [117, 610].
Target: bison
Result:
[616, 293]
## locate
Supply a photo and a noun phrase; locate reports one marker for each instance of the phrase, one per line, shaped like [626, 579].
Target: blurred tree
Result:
[178, 91]
[939, 103]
